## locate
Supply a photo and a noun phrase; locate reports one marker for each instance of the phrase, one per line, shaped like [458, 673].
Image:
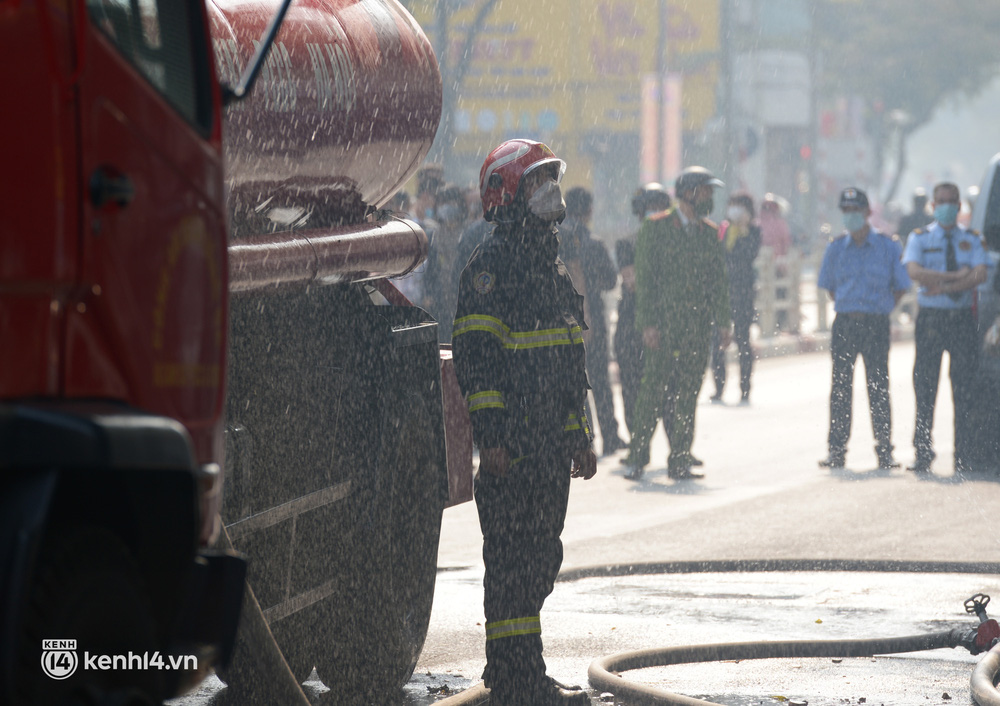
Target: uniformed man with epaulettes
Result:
[862, 271]
[519, 356]
[648, 199]
[948, 262]
[682, 294]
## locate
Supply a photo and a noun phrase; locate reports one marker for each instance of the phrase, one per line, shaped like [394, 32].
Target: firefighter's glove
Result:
[494, 461]
[584, 464]
[725, 337]
[651, 338]
[628, 277]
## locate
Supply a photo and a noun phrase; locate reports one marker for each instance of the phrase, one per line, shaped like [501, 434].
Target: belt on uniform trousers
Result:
[941, 311]
[861, 315]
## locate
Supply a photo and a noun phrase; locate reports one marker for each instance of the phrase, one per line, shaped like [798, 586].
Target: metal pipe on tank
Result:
[346, 254]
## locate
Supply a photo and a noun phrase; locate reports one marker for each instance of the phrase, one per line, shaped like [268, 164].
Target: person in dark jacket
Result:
[740, 235]
[443, 265]
[648, 199]
[682, 296]
[520, 361]
[591, 268]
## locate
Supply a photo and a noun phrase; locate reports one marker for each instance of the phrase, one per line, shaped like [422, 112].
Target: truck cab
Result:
[113, 309]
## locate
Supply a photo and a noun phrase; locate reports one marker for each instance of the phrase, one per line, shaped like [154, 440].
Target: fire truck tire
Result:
[89, 588]
[393, 585]
[297, 653]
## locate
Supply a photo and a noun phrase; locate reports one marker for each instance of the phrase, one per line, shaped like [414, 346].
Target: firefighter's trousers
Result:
[521, 516]
[671, 380]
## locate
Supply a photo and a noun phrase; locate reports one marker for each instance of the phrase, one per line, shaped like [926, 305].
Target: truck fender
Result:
[24, 502]
[102, 465]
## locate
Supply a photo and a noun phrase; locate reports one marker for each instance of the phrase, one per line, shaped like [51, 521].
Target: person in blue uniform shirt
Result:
[948, 262]
[862, 272]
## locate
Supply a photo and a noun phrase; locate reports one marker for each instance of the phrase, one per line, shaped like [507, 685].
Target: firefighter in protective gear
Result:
[681, 294]
[519, 356]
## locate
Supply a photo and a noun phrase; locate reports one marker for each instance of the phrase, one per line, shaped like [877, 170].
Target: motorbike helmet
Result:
[693, 177]
[505, 167]
[649, 197]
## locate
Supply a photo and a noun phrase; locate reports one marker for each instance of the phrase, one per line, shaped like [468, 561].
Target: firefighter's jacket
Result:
[518, 345]
[681, 284]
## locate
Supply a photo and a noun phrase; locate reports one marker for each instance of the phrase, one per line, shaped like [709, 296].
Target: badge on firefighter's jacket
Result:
[484, 282]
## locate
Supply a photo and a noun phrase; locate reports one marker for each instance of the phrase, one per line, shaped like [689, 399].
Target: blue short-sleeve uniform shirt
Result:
[927, 247]
[864, 278]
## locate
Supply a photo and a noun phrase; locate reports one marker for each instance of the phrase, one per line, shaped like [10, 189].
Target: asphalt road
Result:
[764, 495]
[763, 498]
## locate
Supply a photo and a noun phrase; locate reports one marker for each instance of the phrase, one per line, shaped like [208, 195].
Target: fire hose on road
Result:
[604, 673]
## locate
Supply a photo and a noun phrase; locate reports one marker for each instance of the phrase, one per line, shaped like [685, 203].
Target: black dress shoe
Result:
[833, 461]
[697, 462]
[634, 472]
[921, 465]
[684, 474]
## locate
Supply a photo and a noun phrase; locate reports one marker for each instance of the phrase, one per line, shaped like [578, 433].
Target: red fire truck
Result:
[148, 345]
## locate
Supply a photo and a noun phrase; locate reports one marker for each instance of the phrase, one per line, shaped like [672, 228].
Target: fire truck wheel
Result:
[394, 587]
[88, 588]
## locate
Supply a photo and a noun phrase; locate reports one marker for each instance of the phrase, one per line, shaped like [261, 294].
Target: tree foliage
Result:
[906, 58]
[910, 55]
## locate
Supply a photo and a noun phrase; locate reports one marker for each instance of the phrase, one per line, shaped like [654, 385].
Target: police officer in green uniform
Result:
[519, 357]
[682, 294]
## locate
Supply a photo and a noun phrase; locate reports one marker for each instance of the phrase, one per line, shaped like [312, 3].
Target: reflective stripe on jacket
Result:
[518, 344]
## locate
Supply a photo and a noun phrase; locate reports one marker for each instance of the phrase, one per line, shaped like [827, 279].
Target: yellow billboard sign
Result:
[558, 67]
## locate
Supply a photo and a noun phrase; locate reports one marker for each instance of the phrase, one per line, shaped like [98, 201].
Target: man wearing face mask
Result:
[862, 272]
[948, 262]
[648, 199]
[681, 295]
[519, 356]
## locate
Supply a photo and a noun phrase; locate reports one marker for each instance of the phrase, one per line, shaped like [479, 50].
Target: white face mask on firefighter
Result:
[547, 201]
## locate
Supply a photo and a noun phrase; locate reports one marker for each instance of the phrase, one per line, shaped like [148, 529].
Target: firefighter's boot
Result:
[547, 693]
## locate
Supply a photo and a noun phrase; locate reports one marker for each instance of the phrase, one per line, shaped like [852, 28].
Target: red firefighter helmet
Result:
[504, 168]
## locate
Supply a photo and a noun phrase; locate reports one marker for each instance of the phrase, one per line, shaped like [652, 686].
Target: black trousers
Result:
[600, 383]
[629, 354]
[521, 516]
[741, 337]
[940, 330]
[866, 335]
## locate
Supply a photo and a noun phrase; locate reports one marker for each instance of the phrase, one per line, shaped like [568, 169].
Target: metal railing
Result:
[779, 281]
[785, 290]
